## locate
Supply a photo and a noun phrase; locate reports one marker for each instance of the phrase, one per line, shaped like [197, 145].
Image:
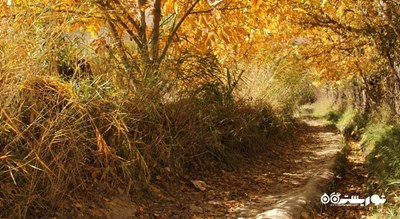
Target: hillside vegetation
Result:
[101, 96]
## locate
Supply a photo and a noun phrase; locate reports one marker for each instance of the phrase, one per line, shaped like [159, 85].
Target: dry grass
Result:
[61, 139]
[58, 140]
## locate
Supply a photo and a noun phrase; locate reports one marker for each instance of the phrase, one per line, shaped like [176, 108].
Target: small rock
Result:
[200, 185]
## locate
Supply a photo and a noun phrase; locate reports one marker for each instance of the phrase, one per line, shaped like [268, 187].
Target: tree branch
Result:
[130, 19]
[155, 34]
[175, 29]
[219, 9]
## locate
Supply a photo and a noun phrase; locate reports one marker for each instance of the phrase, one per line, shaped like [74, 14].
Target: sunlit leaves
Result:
[256, 4]
[169, 7]
[342, 35]
[326, 34]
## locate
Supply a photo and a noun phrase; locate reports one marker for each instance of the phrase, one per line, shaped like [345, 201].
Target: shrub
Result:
[60, 139]
[384, 160]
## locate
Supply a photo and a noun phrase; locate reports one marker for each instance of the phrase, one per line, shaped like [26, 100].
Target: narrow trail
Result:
[351, 181]
[283, 178]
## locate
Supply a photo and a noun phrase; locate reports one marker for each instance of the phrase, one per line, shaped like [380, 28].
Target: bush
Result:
[373, 133]
[333, 116]
[58, 140]
[384, 160]
[351, 123]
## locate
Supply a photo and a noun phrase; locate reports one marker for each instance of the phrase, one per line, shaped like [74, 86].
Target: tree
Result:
[355, 39]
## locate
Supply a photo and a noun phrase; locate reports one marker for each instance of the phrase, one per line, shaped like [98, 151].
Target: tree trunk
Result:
[366, 102]
[365, 95]
[155, 35]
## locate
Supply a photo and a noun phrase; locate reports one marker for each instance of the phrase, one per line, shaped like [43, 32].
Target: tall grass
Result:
[280, 80]
[60, 139]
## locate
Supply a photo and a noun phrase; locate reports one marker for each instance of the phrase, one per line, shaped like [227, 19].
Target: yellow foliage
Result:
[256, 4]
[169, 7]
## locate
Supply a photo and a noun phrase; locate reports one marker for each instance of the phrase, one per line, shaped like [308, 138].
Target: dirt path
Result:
[285, 170]
[351, 181]
[288, 178]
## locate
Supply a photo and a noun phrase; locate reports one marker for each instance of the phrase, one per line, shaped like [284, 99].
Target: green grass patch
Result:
[380, 140]
[384, 159]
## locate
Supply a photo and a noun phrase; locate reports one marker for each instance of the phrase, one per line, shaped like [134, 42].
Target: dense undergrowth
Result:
[82, 115]
[60, 138]
[378, 134]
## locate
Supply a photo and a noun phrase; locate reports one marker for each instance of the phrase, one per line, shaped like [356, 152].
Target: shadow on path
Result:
[262, 183]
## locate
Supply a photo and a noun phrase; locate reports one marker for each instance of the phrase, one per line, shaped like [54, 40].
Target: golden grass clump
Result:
[63, 140]
[60, 139]
[55, 143]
